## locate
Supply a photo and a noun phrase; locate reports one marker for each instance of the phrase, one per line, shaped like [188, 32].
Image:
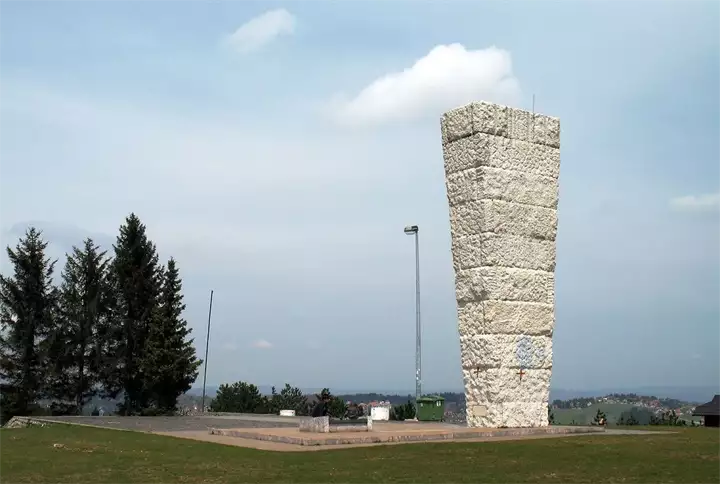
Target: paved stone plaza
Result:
[178, 424]
[270, 432]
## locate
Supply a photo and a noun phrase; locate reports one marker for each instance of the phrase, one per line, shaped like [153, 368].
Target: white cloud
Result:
[262, 344]
[448, 76]
[229, 347]
[261, 30]
[696, 203]
[208, 173]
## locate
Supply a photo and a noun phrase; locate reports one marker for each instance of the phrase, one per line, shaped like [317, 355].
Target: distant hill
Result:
[211, 391]
[584, 416]
[687, 394]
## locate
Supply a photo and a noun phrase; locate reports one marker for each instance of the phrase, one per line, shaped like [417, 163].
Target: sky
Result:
[276, 150]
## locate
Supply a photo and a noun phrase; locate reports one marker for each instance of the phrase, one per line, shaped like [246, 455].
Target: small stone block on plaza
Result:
[324, 425]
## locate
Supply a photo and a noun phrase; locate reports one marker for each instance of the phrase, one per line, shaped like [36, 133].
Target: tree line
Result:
[112, 328]
[243, 397]
[582, 402]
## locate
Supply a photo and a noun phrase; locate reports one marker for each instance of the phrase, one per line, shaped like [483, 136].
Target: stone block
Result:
[506, 317]
[503, 385]
[505, 351]
[491, 249]
[360, 425]
[546, 131]
[504, 284]
[493, 119]
[529, 412]
[518, 124]
[504, 218]
[456, 124]
[497, 184]
[483, 149]
[315, 424]
[521, 125]
[525, 414]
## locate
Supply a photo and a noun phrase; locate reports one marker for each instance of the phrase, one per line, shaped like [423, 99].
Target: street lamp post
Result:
[414, 230]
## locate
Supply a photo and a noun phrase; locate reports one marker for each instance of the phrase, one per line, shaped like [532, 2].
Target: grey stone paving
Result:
[175, 424]
[240, 421]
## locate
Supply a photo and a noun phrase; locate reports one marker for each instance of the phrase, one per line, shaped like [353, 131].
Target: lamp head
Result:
[411, 229]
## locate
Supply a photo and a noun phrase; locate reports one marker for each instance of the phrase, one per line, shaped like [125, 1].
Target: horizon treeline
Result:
[112, 328]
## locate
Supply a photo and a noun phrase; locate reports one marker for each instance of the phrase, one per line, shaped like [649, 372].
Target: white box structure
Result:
[501, 171]
[380, 413]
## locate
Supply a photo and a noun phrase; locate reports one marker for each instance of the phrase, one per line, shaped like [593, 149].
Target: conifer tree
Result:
[28, 303]
[135, 278]
[170, 364]
[78, 341]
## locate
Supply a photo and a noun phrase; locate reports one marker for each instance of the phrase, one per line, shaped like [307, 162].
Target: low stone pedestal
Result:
[324, 425]
[315, 425]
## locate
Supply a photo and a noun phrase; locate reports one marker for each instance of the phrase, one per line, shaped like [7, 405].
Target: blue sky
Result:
[277, 150]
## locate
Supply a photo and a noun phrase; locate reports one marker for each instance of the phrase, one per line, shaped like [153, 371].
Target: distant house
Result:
[710, 412]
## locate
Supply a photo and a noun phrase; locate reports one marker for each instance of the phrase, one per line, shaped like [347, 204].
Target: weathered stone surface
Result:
[506, 317]
[490, 118]
[324, 425]
[489, 249]
[504, 385]
[504, 284]
[498, 184]
[502, 167]
[499, 217]
[525, 414]
[499, 398]
[457, 124]
[315, 424]
[505, 351]
[503, 121]
[546, 131]
[508, 154]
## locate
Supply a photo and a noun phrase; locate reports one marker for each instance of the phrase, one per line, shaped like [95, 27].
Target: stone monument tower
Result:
[501, 172]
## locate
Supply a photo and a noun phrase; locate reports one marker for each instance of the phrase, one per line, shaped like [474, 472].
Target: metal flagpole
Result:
[207, 346]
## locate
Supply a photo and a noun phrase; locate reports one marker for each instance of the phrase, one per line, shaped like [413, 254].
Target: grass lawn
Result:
[585, 415]
[85, 454]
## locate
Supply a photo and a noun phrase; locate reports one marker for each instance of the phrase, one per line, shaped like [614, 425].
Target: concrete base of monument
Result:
[395, 432]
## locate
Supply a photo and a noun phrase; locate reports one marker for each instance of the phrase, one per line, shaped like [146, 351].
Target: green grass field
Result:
[584, 416]
[63, 453]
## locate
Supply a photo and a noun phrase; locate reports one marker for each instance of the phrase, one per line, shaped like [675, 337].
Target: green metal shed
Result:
[431, 408]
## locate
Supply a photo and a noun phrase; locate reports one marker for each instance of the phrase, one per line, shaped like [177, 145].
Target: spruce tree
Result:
[28, 302]
[135, 279]
[78, 340]
[170, 363]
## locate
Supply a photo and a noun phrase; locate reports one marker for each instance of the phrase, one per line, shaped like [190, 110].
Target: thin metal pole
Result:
[207, 346]
[418, 337]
